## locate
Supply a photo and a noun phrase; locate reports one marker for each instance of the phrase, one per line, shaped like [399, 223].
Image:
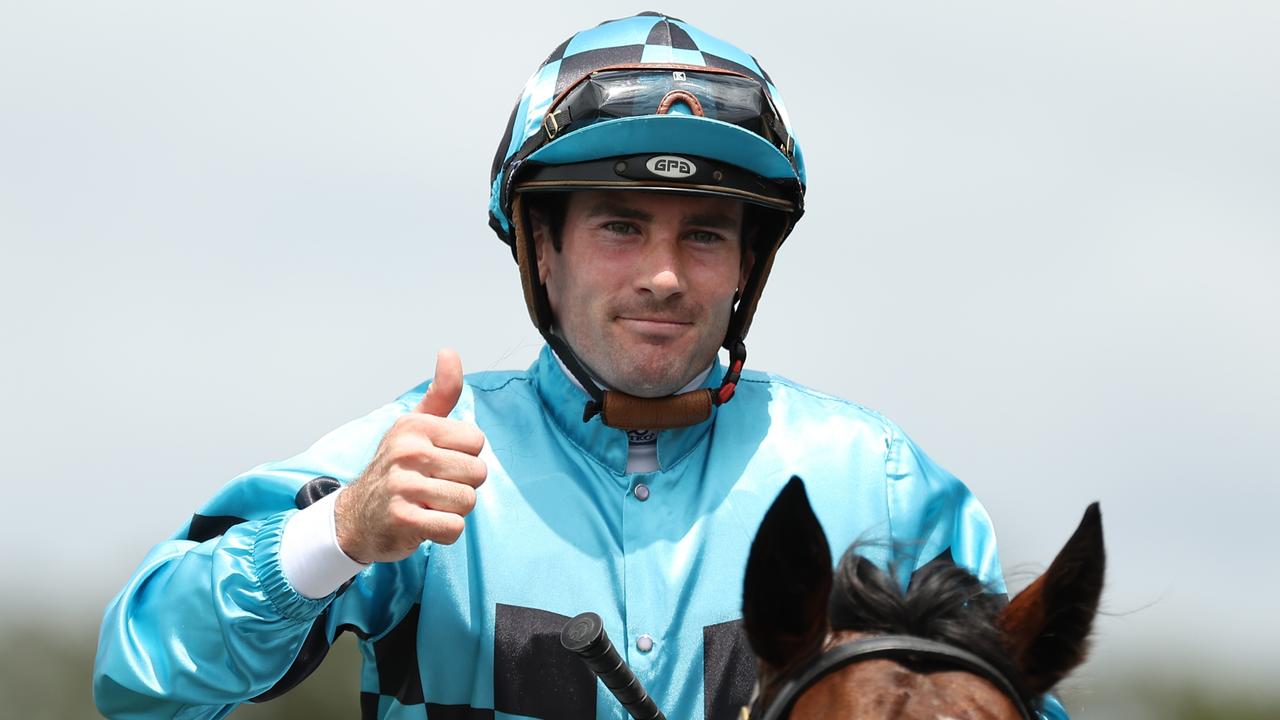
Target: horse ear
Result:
[788, 581]
[1046, 627]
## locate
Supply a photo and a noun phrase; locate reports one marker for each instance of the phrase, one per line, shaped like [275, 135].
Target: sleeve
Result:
[942, 517]
[208, 619]
[927, 502]
[311, 558]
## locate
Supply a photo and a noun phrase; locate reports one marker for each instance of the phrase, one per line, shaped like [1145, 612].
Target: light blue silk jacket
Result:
[471, 630]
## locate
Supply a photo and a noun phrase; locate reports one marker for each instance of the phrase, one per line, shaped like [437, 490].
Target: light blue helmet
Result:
[651, 103]
[540, 131]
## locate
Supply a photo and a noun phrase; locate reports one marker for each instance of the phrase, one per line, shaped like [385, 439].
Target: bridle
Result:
[893, 647]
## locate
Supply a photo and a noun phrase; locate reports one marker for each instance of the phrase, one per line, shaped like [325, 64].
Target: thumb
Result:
[446, 387]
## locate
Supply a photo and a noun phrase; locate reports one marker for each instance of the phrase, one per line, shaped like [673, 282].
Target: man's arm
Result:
[211, 618]
[202, 626]
[937, 515]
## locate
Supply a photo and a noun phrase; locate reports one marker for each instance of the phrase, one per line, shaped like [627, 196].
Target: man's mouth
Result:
[655, 326]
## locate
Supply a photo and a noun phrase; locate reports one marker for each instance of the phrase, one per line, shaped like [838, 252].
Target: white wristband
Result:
[310, 557]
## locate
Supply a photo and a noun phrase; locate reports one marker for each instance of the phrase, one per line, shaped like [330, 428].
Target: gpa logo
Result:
[672, 166]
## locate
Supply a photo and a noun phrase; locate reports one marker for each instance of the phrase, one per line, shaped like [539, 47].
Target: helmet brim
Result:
[675, 134]
[686, 174]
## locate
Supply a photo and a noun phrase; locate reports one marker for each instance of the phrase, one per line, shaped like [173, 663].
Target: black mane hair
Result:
[943, 602]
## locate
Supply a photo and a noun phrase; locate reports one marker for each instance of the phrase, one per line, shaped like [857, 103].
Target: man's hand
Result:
[422, 480]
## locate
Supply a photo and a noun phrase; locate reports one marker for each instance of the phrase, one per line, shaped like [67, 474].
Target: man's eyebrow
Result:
[713, 220]
[606, 208]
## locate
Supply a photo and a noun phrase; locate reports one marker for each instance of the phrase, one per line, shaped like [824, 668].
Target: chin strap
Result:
[615, 408]
[628, 412]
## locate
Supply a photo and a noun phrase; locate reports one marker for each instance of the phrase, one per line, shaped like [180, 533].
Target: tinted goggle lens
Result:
[611, 94]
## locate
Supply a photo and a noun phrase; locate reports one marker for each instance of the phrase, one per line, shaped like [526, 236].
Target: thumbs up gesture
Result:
[422, 480]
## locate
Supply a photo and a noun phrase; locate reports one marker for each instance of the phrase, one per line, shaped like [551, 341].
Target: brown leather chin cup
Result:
[628, 412]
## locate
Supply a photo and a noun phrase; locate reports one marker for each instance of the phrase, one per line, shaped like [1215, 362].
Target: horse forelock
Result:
[943, 602]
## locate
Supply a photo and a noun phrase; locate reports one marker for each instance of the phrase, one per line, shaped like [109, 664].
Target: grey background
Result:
[1041, 237]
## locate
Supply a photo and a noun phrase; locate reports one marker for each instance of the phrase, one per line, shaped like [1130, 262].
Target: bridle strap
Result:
[893, 647]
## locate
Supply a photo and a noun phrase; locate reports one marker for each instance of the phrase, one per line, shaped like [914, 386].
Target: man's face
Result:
[642, 287]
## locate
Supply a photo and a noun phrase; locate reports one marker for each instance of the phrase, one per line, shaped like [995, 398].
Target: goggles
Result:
[637, 90]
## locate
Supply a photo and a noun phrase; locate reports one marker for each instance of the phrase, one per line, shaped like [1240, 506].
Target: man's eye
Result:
[620, 228]
[704, 237]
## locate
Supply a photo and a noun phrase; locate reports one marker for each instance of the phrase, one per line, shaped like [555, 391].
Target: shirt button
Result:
[644, 643]
[642, 494]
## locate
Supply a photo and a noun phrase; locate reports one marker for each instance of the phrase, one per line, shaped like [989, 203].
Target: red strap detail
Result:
[737, 368]
[726, 392]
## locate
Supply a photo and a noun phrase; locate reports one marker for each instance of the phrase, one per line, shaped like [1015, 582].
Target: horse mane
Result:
[943, 602]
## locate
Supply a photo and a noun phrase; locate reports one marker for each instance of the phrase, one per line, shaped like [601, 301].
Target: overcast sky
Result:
[1042, 237]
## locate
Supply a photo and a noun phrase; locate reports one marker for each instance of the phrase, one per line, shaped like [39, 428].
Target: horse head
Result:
[851, 643]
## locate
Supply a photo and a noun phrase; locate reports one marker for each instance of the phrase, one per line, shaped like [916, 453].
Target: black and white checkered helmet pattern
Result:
[645, 39]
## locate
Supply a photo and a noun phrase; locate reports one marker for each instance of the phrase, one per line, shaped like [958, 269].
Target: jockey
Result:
[646, 179]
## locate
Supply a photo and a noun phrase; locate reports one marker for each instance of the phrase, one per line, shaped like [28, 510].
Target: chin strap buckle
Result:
[737, 358]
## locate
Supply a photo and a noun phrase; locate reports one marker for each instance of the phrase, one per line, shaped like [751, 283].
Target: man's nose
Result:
[661, 273]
